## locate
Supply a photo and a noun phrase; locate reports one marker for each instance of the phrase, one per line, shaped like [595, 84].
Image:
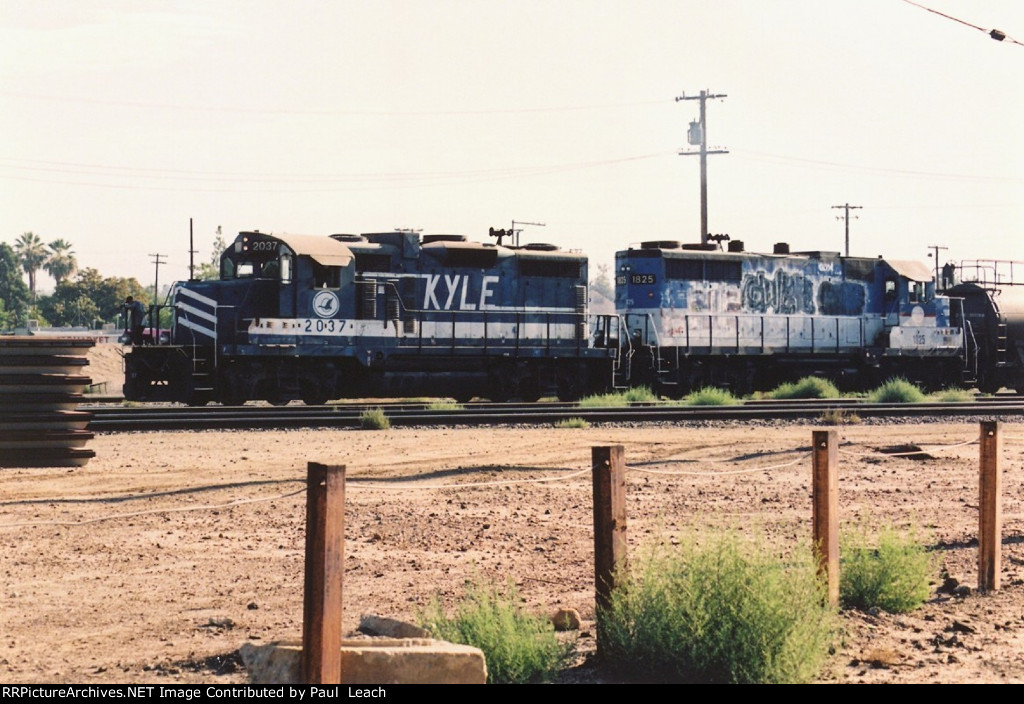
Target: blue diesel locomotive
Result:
[697, 316]
[377, 315]
[395, 315]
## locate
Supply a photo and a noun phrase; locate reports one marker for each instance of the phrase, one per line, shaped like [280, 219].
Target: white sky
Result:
[123, 119]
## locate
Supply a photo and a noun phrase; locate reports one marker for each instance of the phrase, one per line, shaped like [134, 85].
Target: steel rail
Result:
[348, 416]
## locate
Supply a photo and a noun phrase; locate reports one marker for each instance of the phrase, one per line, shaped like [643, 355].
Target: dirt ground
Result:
[157, 560]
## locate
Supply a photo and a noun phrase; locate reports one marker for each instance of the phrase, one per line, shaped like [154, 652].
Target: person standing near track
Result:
[135, 315]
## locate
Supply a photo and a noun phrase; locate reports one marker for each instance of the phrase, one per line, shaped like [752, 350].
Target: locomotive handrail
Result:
[987, 274]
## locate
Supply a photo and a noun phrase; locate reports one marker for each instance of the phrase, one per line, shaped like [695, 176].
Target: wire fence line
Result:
[909, 453]
[133, 514]
[720, 473]
[414, 485]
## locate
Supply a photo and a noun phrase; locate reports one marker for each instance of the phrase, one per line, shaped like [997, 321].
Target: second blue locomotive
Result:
[700, 317]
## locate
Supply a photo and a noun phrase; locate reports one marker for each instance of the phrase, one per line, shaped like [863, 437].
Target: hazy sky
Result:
[123, 119]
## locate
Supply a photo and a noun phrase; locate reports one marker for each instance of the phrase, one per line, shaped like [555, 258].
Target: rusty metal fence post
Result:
[609, 479]
[825, 508]
[325, 547]
[990, 514]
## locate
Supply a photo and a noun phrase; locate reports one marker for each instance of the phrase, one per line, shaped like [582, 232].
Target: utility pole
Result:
[156, 277]
[846, 216]
[936, 247]
[191, 253]
[697, 135]
[515, 232]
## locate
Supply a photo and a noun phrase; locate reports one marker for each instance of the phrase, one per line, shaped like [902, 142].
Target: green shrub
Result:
[614, 400]
[723, 611]
[710, 396]
[374, 419]
[572, 423]
[891, 572]
[808, 387]
[896, 390]
[518, 647]
[639, 394]
[954, 395]
[444, 406]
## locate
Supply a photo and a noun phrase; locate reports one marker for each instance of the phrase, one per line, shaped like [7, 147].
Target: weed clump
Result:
[618, 399]
[896, 390]
[724, 610]
[572, 423]
[808, 387]
[891, 572]
[374, 419]
[519, 647]
[641, 394]
[710, 396]
[438, 405]
[954, 395]
[840, 416]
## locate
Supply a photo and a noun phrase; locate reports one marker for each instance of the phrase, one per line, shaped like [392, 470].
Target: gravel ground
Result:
[136, 569]
[157, 560]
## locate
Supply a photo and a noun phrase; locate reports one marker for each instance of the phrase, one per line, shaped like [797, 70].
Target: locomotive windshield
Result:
[252, 256]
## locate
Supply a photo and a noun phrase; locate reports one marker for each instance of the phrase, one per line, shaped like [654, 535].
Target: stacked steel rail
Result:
[41, 386]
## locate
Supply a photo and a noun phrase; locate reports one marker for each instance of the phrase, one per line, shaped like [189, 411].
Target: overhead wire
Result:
[317, 183]
[996, 34]
[325, 113]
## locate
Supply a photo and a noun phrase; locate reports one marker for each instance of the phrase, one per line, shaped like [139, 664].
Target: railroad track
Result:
[152, 418]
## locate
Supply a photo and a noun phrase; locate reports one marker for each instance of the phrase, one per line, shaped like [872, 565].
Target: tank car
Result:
[697, 316]
[991, 293]
[377, 315]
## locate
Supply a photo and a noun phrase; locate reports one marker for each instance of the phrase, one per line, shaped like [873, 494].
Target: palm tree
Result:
[32, 253]
[61, 263]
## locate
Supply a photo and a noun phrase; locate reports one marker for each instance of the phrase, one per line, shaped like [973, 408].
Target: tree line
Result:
[82, 297]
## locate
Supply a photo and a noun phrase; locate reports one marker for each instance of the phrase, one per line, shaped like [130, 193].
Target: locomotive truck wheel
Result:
[503, 383]
[228, 395]
[529, 389]
[987, 384]
[312, 393]
[571, 384]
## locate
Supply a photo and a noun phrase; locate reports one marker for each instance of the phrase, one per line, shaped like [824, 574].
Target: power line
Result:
[327, 183]
[996, 34]
[838, 166]
[325, 113]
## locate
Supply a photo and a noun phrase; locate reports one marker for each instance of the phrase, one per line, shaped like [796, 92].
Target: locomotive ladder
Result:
[202, 377]
[970, 368]
[1001, 344]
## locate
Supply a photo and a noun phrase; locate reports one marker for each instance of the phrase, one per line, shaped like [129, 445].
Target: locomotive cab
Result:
[921, 324]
